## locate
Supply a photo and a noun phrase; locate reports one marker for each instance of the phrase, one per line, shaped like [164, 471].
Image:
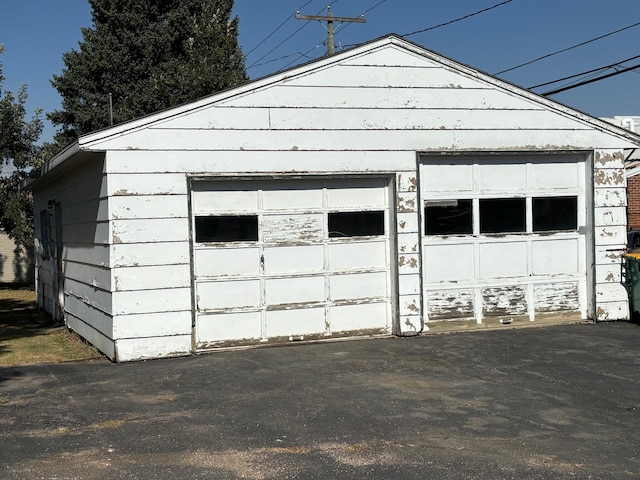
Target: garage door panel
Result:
[228, 294]
[447, 177]
[502, 176]
[291, 228]
[504, 301]
[367, 194]
[228, 326]
[293, 195]
[291, 290]
[548, 175]
[285, 323]
[553, 297]
[347, 318]
[293, 259]
[450, 303]
[551, 257]
[359, 285]
[227, 261]
[227, 198]
[344, 256]
[503, 259]
[449, 262]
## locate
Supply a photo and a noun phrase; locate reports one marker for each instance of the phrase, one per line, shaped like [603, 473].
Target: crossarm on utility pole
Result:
[329, 18]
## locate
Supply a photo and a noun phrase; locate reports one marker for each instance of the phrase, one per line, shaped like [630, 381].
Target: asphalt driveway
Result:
[549, 402]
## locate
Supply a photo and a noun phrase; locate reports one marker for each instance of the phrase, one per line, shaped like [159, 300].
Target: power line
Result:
[584, 73]
[567, 49]
[458, 19]
[586, 82]
[274, 31]
[285, 40]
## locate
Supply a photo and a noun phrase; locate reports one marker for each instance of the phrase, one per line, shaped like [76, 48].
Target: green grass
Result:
[28, 336]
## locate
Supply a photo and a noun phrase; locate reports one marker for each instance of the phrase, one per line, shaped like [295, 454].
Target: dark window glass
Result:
[227, 229]
[503, 215]
[555, 213]
[448, 217]
[356, 224]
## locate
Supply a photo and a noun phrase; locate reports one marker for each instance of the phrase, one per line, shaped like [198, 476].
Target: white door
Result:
[290, 259]
[504, 238]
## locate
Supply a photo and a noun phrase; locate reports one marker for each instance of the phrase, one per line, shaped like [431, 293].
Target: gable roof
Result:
[94, 142]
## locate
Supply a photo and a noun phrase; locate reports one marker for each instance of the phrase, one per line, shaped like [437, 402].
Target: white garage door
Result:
[504, 238]
[290, 259]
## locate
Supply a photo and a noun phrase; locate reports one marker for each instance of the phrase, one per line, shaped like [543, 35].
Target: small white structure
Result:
[16, 264]
[383, 190]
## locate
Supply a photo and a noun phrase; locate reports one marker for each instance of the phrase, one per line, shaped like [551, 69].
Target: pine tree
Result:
[149, 55]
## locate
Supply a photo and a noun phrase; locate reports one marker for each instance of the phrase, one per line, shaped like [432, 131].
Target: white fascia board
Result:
[54, 162]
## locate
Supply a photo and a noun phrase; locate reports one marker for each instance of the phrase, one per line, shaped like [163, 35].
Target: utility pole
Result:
[329, 18]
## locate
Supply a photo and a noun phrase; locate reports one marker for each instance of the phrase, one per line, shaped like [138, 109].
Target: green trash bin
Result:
[632, 262]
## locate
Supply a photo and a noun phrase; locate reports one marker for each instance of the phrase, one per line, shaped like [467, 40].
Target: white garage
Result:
[385, 190]
[290, 259]
[504, 238]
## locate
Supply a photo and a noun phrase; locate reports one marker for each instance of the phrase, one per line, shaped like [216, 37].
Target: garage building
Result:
[383, 190]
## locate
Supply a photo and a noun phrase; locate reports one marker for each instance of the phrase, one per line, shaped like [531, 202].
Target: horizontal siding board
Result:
[391, 56]
[98, 276]
[606, 216]
[444, 140]
[153, 347]
[88, 294]
[86, 330]
[85, 212]
[152, 324]
[122, 184]
[149, 206]
[152, 277]
[221, 117]
[232, 162]
[418, 119]
[346, 75]
[88, 233]
[90, 254]
[149, 301]
[150, 230]
[157, 253]
[89, 314]
[481, 98]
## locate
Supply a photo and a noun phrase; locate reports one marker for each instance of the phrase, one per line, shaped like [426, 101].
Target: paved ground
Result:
[541, 403]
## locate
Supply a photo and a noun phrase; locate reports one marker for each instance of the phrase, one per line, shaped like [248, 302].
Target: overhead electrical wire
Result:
[276, 29]
[606, 67]
[567, 49]
[586, 82]
[458, 19]
[254, 64]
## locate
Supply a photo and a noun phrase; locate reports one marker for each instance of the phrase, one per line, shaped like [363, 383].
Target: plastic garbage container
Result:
[632, 262]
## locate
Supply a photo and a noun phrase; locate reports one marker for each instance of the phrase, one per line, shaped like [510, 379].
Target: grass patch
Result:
[28, 336]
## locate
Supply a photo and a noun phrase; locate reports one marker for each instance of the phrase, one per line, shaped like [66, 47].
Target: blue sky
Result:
[36, 33]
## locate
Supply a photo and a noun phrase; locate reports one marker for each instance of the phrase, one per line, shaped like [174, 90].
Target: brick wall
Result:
[633, 202]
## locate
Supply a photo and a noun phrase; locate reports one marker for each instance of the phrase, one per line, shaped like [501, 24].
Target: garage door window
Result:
[229, 228]
[448, 217]
[355, 224]
[503, 215]
[555, 213]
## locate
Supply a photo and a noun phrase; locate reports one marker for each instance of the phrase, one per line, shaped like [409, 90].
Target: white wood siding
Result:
[85, 277]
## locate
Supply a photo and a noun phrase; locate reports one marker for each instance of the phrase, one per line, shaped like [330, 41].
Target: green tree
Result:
[149, 55]
[18, 155]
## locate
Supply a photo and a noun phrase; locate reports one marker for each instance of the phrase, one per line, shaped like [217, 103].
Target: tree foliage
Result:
[149, 55]
[18, 154]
